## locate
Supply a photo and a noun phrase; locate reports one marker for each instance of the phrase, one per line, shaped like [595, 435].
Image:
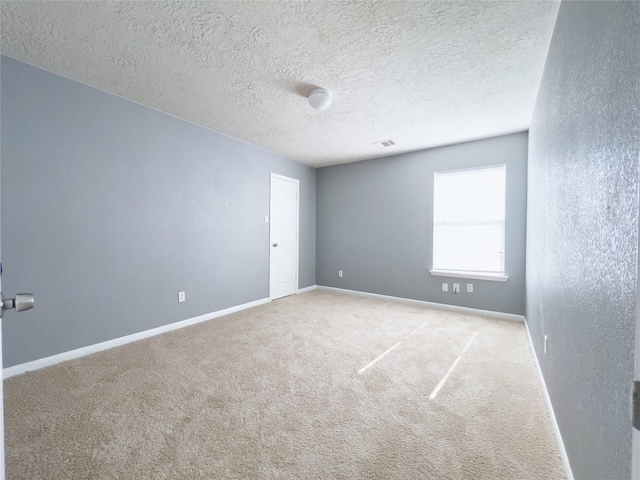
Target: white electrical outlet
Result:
[546, 344]
[181, 297]
[445, 287]
[456, 288]
[266, 219]
[470, 287]
[340, 273]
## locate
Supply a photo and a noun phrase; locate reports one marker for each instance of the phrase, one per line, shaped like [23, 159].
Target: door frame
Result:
[1, 411]
[635, 435]
[297, 182]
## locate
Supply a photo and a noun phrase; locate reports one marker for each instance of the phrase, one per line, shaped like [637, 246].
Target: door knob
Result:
[21, 302]
[275, 244]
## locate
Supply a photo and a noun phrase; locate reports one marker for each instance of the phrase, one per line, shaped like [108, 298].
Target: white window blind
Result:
[468, 233]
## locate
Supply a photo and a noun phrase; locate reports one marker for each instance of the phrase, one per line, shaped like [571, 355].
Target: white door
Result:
[283, 236]
[22, 301]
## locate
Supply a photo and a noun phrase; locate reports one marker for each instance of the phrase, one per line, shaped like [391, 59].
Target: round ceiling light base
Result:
[320, 98]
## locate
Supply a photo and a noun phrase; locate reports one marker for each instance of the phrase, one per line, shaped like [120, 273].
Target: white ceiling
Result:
[423, 73]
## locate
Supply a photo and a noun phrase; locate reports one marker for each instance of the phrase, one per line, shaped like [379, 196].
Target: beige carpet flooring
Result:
[274, 392]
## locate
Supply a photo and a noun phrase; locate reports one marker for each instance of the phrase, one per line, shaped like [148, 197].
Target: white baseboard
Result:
[554, 422]
[307, 289]
[116, 342]
[435, 306]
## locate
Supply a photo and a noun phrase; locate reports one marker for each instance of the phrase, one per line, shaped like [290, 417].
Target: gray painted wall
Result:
[375, 222]
[582, 230]
[110, 208]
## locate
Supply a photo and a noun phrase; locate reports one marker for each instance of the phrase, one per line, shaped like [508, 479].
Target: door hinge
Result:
[635, 405]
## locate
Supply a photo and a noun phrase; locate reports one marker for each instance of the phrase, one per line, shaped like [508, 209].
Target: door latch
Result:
[21, 302]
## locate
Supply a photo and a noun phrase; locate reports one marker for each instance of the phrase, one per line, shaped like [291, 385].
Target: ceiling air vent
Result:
[385, 143]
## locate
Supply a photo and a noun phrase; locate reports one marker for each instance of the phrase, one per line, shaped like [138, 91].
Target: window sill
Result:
[494, 277]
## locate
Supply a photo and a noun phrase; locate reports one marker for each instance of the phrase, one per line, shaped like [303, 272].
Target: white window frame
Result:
[479, 275]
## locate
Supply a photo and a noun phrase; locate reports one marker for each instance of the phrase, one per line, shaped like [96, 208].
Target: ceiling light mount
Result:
[320, 98]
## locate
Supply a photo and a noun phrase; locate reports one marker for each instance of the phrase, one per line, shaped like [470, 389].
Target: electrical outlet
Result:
[266, 219]
[470, 287]
[445, 287]
[340, 273]
[546, 344]
[456, 288]
[181, 297]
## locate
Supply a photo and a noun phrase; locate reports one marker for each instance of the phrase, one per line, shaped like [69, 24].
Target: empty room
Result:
[320, 240]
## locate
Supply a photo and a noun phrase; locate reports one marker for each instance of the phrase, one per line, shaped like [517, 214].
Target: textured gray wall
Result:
[375, 222]
[110, 208]
[582, 230]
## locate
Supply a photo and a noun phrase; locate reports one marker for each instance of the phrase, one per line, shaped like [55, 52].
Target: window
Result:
[468, 223]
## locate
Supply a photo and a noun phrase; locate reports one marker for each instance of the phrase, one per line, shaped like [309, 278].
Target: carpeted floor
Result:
[274, 392]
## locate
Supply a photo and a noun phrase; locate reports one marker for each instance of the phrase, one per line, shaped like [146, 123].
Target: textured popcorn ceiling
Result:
[422, 73]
